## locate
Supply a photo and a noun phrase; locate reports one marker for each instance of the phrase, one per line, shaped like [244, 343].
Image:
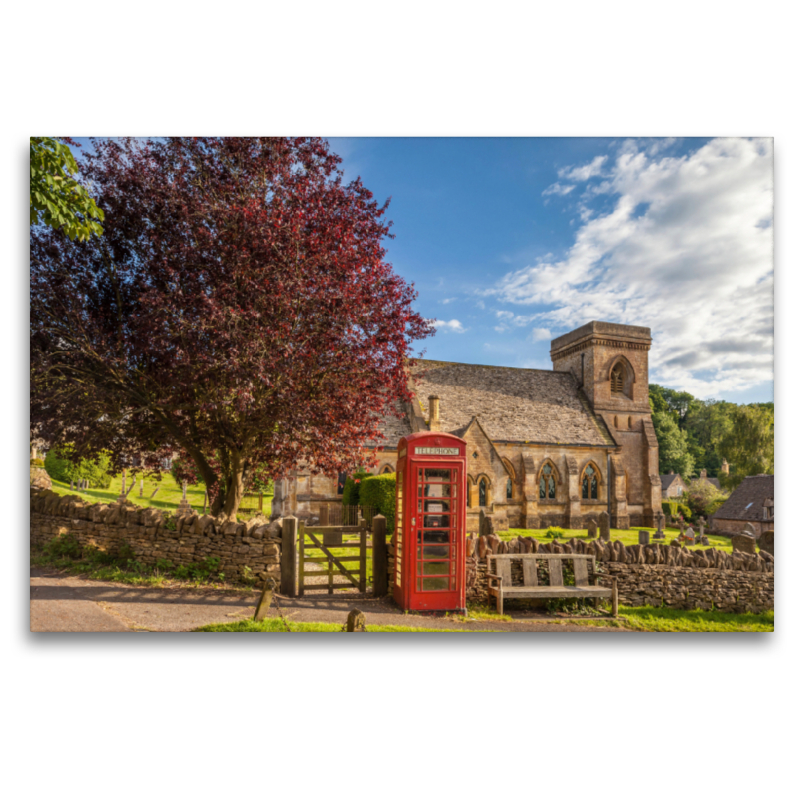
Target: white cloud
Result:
[686, 250]
[541, 334]
[451, 326]
[448, 300]
[557, 188]
[583, 173]
[481, 304]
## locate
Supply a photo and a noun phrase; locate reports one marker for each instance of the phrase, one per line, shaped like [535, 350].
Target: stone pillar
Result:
[619, 496]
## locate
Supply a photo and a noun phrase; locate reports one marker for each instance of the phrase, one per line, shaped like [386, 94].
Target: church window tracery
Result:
[589, 483]
[618, 379]
[547, 483]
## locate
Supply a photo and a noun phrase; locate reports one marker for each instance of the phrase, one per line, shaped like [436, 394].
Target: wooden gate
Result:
[330, 552]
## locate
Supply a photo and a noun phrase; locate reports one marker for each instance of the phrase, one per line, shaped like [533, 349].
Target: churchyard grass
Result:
[276, 625]
[167, 498]
[627, 537]
[672, 620]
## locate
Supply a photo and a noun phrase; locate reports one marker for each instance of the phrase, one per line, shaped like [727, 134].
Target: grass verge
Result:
[671, 620]
[275, 625]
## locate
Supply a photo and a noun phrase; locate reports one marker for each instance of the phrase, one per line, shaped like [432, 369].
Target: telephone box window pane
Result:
[435, 584]
[437, 507]
[437, 475]
[437, 490]
[442, 521]
[430, 553]
[435, 568]
[436, 537]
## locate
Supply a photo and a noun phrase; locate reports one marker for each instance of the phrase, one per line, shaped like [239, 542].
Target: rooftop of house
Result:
[668, 480]
[747, 499]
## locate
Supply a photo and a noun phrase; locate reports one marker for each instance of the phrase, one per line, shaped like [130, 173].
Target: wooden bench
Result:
[500, 587]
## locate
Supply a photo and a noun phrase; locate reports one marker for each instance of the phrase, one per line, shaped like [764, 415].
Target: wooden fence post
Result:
[324, 515]
[380, 557]
[362, 557]
[289, 557]
[261, 501]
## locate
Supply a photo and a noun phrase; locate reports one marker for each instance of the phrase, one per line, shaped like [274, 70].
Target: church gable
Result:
[484, 461]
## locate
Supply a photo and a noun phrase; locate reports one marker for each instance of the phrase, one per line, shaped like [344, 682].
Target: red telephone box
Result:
[430, 528]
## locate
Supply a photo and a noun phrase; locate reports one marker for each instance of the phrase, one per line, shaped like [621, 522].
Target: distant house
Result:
[752, 501]
[672, 486]
[704, 477]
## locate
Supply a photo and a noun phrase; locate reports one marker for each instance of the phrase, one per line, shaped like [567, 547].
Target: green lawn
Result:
[626, 537]
[167, 497]
[647, 618]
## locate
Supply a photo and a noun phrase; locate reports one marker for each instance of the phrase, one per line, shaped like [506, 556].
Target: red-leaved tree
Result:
[238, 309]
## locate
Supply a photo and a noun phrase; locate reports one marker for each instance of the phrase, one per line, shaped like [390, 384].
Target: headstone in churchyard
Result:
[660, 522]
[591, 532]
[122, 492]
[644, 537]
[604, 524]
[766, 542]
[744, 543]
[681, 526]
[749, 529]
[71, 485]
[183, 506]
[154, 492]
[141, 487]
[704, 540]
[702, 525]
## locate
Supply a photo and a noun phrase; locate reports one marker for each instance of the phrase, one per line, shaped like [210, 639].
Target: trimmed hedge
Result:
[379, 491]
[61, 467]
[352, 486]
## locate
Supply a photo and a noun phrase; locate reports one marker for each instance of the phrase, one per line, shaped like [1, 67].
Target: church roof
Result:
[513, 405]
[747, 499]
[393, 428]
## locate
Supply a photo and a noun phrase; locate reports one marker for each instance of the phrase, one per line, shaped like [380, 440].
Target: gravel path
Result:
[62, 602]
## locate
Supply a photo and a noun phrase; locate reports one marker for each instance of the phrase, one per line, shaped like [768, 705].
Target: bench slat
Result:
[557, 591]
[556, 575]
[581, 572]
[529, 575]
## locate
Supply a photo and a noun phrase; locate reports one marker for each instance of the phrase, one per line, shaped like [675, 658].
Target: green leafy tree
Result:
[673, 446]
[58, 199]
[703, 498]
[749, 443]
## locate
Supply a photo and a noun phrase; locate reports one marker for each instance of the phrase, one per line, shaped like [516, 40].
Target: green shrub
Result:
[62, 466]
[555, 533]
[66, 546]
[37, 462]
[379, 491]
[352, 488]
[675, 509]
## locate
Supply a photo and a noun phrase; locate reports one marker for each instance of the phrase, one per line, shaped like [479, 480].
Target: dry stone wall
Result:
[255, 544]
[648, 574]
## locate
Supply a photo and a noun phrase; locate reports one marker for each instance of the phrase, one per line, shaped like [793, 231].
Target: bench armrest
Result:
[492, 577]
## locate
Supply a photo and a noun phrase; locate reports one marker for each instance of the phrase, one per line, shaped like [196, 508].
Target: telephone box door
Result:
[437, 580]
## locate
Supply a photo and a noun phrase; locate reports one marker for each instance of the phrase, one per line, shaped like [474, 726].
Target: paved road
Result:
[61, 602]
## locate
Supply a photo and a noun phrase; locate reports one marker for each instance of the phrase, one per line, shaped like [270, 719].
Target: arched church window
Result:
[342, 479]
[386, 470]
[509, 489]
[547, 483]
[482, 492]
[618, 379]
[589, 483]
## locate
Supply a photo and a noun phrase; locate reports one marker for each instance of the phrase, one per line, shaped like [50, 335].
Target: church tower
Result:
[610, 363]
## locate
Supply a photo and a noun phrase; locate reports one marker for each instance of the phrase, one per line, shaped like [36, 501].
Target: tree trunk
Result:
[235, 488]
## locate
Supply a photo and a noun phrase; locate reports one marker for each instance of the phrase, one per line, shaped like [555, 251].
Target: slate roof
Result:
[713, 481]
[747, 499]
[393, 428]
[668, 480]
[513, 405]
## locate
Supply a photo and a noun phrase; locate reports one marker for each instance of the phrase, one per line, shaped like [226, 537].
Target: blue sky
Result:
[513, 241]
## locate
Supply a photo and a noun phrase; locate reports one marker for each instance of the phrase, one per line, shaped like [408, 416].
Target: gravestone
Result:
[681, 526]
[644, 537]
[744, 543]
[591, 532]
[766, 542]
[183, 506]
[704, 540]
[604, 525]
[701, 523]
[749, 529]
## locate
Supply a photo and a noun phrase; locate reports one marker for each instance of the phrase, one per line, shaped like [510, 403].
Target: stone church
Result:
[544, 447]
